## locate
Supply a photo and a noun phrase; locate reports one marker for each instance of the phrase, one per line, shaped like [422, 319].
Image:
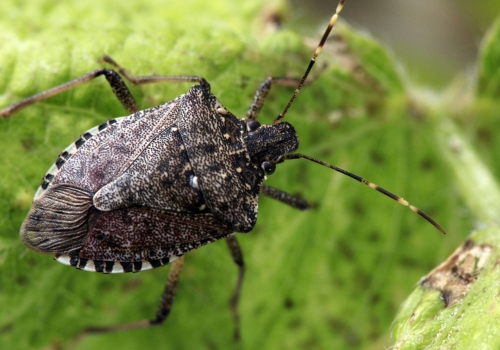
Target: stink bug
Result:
[140, 191]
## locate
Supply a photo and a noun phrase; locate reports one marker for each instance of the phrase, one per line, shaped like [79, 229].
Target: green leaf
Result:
[455, 306]
[332, 277]
[488, 84]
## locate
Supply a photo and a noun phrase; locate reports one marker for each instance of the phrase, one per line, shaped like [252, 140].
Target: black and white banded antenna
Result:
[280, 117]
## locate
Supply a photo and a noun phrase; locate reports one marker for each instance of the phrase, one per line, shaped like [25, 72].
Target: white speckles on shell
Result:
[239, 170]
[215, 157]
[222, 110]
[160, 177]
[117, 145]
[193, 181]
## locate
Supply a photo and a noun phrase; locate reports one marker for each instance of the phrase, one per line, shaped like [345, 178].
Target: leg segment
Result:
[163, 310]
[117, 85]
[261, 94]
[167, 299]
[237, 255]
[265, 86]
[151, 79]
[291, 200]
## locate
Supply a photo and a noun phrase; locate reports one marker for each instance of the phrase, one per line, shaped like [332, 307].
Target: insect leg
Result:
[265, 86]
[237, 255]
[151, 79]
[163, 310]
[291, 200]
[117, 85]
[168, 296]
[261, 94]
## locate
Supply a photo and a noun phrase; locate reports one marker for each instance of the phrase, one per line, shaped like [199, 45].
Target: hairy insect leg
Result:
[163, 309]
[265, 86]
[167, 299]
[152, 79]
[115, 81]
[237, 255]
[261, 94]
[291, 200]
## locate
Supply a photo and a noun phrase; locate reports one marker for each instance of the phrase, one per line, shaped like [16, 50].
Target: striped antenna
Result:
[371, 185]
[333, 20]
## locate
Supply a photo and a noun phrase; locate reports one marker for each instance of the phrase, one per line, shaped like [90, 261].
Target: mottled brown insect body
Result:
[147, 188]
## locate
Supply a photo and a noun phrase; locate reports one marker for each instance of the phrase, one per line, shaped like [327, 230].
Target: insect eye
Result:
[268, 167]
[253, 125]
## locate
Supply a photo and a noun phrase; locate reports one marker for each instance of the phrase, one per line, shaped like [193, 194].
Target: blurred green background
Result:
[330, 278]
[433, 40]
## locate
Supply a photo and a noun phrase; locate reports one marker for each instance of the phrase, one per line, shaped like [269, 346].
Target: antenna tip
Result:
[428, 218]
[340, 6]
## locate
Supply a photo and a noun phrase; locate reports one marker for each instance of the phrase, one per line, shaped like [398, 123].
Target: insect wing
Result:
[160, 178]
[62, 212]
[106, 155]
[143, 234]
[58, 220]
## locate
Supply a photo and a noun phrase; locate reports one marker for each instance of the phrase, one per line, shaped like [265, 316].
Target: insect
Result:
[138, 192]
